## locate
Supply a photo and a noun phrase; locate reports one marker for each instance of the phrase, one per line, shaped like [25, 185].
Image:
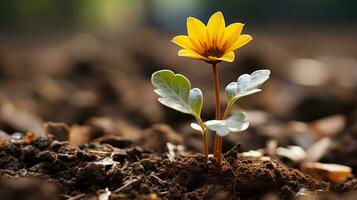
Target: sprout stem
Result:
[218, 139]
[227, 111]
[204, 135]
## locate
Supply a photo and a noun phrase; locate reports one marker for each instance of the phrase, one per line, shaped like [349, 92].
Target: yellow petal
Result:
[213, 58]
[231, 34]
[215, 28]
[241, 41]
[196, 32]
[190, 53]
[183, 41]
[228, 57]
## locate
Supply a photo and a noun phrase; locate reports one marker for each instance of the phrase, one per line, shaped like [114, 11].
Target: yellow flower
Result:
[212, 43]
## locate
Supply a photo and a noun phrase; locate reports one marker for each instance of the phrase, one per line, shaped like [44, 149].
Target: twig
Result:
[127, 184]
[224, 159]
[125, 165]
[98, 152]
[137, 158]
[164, 192]
[162, 182]
[77, 197]
[234, 186]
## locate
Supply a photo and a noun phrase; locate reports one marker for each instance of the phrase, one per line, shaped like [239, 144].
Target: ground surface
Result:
[135, 173]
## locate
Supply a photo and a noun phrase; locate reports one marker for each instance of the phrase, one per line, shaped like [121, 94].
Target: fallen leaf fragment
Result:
[153, 196]
[59, 130]
[328, 172]
[156, 137]
[80, 134]
[328, 126]
[4, 135]
[294, 153]
[30, 136]
[252, 153]
[107, 161]
[318, 149]
[174, 150]
[20, 118]
[104, 195]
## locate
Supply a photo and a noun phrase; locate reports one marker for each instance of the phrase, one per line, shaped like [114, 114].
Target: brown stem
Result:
[218, 139]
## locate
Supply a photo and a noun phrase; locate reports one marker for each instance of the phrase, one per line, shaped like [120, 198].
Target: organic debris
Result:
[328, 172]
[134, 173]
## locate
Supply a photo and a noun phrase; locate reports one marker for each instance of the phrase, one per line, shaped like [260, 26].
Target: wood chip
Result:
[59, 130]
[328, 172]
[252, 153]
[21, 118]
[30, 136]
[328, 126]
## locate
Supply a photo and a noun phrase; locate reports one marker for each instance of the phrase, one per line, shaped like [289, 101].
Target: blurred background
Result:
[70, 61]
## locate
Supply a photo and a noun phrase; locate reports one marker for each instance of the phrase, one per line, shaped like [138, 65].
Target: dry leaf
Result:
[328, 172]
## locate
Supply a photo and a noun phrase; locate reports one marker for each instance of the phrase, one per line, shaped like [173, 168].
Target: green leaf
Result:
[195, 100]
[235, 123]
[247, 84]
[175, 92]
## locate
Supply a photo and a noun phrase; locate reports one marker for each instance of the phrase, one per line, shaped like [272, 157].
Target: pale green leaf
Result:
[236, 123]
[247, 84]
[195, 101]
[196, 127]
[175, 91]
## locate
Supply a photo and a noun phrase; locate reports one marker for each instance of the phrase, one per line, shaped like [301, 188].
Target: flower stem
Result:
[218, 139]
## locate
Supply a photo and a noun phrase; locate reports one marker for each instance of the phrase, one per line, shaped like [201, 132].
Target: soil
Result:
[132, 172]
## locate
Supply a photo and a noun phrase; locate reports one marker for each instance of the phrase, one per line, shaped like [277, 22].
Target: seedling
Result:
[212, 43]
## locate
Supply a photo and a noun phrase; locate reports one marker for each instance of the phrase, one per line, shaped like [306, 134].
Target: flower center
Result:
[213, 51]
